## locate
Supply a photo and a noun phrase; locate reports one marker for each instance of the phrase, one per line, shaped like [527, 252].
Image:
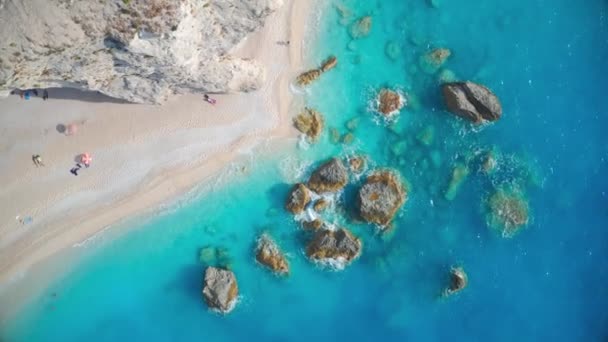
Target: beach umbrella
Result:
[71, 129]
[86, 158]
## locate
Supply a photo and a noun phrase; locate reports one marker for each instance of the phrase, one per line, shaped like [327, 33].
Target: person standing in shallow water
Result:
[37, 159]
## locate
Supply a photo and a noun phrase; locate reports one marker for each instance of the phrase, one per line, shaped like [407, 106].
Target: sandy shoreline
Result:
[143, 155]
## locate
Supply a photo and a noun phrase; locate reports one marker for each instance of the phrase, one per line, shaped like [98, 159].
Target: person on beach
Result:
[75, 169]
[45, 95]
[208, 99]
[37, 159]
[35, 91]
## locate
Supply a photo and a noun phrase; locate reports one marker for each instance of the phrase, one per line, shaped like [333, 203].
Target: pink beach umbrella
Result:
[71, 129]
[86, 158]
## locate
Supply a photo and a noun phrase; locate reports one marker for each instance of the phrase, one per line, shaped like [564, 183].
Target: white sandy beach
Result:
[142, 155]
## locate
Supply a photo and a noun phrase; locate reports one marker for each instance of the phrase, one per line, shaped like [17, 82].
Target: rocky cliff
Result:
[137, 50]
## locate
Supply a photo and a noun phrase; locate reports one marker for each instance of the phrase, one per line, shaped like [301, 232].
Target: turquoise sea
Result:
[548, 63]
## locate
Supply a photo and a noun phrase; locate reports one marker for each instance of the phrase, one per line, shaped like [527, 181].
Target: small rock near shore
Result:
[298, 198]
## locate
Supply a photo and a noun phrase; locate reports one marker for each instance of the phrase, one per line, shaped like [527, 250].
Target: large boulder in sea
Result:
[309, 122]
[298, 198]
[268, 254]
[389, 102]
[329, 177]
[381, 197]
[471, 101]
[336, 248]
[458, 281]
[220, 289]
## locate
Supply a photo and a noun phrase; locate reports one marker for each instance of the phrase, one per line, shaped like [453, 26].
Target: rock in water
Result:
[321, 205]
[458, 281]
[381, 197]
[309, 122]
[459, 175]
[357, 164]
[472, 101]
[508, 212]
[329, 64]
[361, 27]
[220, 289]
[337, 248]
[308, 77]
[389, 102]
[298, 198]
[269, 255]
[329, 177]
[313, 225]
[139, 51]
[434, 59]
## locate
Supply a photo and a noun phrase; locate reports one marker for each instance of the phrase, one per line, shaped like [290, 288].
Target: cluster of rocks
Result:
[312, 75]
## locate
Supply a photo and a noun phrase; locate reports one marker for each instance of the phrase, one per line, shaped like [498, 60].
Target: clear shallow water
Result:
[546, 60]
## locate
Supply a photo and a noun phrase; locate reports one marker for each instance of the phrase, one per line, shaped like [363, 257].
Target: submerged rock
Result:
[361, 27]
[352, 124]
[392, 50]
[507, 212]
[471, 101]
[329, 177]
[348, 138]
[329, 64]
[381, 197]
[334, 135]
[434, 59]
[298, 198]
[459, 174]
[489, 162]
[458, 281]
[220, 289]
[426, 136]
[309, 122]
[337, 248]
[389, 102]
[268, 254]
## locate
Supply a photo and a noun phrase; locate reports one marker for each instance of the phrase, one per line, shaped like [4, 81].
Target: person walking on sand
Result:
[37, 159]
[45, 95]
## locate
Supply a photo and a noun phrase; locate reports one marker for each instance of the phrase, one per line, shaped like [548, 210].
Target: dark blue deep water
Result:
[548, 63]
